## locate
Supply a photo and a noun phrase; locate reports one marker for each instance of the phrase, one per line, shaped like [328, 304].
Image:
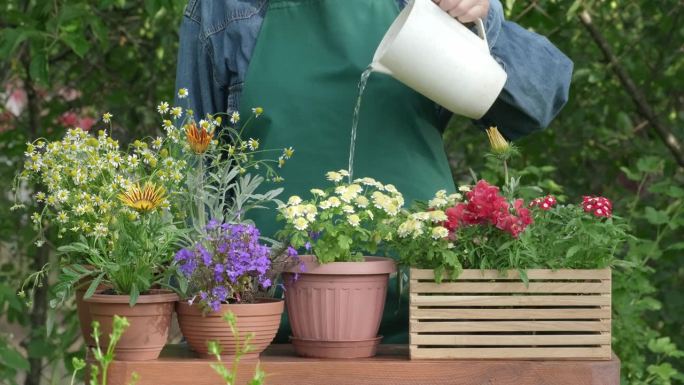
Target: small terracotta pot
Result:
[335, 308]
[150, 320]
[261, 318]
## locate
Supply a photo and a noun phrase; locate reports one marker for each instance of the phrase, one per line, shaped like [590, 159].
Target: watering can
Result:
[436, 55]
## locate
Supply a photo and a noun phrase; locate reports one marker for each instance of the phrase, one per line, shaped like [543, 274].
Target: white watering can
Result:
[430, 51]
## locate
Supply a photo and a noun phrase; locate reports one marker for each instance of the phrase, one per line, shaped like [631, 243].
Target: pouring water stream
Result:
[355, 119]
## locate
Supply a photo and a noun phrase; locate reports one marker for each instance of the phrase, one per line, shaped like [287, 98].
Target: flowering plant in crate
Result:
[341, 222]
[493, 228]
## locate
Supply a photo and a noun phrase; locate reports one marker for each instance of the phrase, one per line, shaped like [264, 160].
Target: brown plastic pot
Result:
[261, 318]
[335, 308]
[150, 320]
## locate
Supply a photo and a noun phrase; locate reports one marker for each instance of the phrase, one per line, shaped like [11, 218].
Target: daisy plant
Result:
[342, 222]
[115, 211]
[421, 236]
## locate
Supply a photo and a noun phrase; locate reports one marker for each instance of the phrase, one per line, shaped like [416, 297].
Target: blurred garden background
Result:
[64, 63]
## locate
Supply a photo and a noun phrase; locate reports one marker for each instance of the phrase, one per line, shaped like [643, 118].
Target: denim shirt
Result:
[217, 38]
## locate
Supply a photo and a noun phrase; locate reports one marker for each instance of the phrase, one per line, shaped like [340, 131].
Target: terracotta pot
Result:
[150, 320]
[261, 318]
[84, 319]
[335, 308]
[83, 310]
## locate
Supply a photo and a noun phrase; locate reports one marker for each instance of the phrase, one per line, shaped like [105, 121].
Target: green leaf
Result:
[573, 9]
[623, 121]
[10, 39]
[38, 348]
[665, 371]
[39, 68]
[649, 164]
[572, 250]
[656, 217]
[663, 345]
[631, 175]
[676, 246]
[135, 293]
[93, 286]
[13, 358]
[77, 42]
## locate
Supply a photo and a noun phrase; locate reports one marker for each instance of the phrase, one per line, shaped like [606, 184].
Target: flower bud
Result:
[497, 142]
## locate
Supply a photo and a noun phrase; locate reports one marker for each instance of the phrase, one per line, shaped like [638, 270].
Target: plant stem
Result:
[505, 166]
[200, 195]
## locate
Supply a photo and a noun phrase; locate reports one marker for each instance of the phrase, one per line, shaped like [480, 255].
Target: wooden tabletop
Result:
[179, 366]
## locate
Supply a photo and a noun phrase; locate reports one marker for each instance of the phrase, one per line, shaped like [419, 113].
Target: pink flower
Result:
[71, 119]
[86, 123]
[68, 119]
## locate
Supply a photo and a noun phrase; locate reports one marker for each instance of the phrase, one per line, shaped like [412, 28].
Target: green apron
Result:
[304, 72]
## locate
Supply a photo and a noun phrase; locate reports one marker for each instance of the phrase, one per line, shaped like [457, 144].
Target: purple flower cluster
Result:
[227, 263]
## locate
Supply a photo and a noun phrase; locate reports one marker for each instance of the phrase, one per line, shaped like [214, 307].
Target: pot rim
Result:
[157, 296]
[267, 305]
[370, 266]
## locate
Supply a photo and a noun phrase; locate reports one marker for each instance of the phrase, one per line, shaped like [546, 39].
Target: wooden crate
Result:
[561, 314]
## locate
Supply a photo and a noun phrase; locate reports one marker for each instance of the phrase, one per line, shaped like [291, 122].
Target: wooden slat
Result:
[512, 326]
[602, 352]
[504, 340]
[416, 313]
[511, 287]
[509, 300]
[562, 274]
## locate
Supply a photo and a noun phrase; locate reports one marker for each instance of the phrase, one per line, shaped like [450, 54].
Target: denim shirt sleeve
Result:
[538, 81]
[195, 68]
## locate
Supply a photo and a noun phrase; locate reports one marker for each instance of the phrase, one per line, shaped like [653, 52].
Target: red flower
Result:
[546, 203]
[597, 205]
[486, 206]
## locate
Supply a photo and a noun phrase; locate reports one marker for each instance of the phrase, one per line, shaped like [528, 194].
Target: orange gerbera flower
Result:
[198, 138]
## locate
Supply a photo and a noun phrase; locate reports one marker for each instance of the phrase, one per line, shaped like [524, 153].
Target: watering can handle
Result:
[479, 24]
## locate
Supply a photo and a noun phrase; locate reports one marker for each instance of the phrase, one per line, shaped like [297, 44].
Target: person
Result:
[300, 60]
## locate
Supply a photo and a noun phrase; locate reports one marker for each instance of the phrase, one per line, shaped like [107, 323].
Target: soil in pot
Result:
[261, 318]
[335, 309]
[150, 320]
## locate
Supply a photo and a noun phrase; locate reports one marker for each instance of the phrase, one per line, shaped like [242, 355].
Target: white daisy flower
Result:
[163, 108]
[234, 117]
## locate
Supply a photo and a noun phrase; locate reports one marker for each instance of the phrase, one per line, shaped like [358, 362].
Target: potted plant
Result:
[336, 299]
[495, 277]
[226, 266]
[115, 217]
[228, 271]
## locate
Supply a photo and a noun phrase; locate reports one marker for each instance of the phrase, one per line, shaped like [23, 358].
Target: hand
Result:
[466, 11]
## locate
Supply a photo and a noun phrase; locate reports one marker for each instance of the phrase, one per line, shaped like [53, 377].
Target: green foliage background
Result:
[120, 55]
